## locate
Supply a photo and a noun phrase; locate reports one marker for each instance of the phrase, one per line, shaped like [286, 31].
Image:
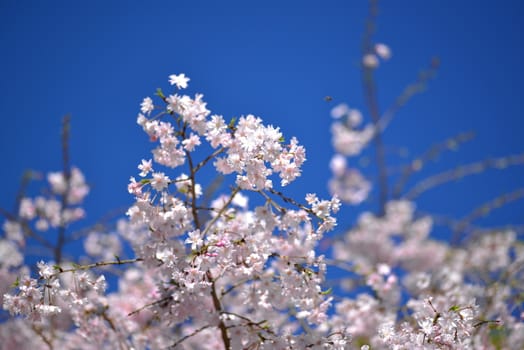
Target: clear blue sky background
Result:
[96, 60]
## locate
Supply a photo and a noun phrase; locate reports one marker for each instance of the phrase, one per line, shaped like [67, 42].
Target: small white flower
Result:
[44, 270]
[160, 181]
[146, 167]
[147, 106]
[339, 111]
[179, 80]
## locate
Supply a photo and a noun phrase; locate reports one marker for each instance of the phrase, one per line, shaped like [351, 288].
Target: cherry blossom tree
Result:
[239, 264]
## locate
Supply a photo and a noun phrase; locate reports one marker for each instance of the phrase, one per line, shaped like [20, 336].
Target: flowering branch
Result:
[77, 267]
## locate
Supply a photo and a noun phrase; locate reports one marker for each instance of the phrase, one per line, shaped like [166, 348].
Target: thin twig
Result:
[221, 211]
[101, 225]
[470, 229]
[208, 158]
[431, 154]
[28, 232]
[485, 209]
[156, 302]
[417, 87]
[94, 265]
[181, 340]
[462, 171]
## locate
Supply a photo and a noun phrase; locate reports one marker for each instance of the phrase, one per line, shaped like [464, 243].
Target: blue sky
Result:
[96, 60]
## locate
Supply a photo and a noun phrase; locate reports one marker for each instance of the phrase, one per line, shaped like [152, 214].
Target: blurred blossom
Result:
[241, 201]
[103, 245]
[351, 187]
[57, 182]
[13, 231]
[383, 51]
[9, 254]
[370, 61]
[338, 165]
[351, 142]
[354, 118]
[339, 111]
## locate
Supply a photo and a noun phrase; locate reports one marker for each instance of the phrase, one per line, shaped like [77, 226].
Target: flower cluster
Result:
[349, 140]
[244, 277]
[58, 209]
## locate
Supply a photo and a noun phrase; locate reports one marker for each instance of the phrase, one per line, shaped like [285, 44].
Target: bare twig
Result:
[181, 340]
[102, 224]
[469, 228]
[208, 158]
[431, 154]
[462, 171]
[156, 302]
[417, 87]
[221, 211]
[28, 232]
[484, 210]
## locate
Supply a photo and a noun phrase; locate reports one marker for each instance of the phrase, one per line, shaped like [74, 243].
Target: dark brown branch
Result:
[218, 307]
